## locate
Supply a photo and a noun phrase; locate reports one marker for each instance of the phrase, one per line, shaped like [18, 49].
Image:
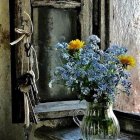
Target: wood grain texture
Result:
[101, 21]
[86, 18]
[57, 4]
[19, 20]
[59, 109]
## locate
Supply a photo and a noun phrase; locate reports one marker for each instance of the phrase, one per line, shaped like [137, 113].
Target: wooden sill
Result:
[54, 110]
[129, 122]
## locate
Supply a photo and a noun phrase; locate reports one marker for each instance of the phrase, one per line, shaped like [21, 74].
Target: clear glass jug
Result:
[99, 122]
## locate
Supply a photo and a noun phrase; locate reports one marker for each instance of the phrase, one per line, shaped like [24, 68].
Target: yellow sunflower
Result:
[76, 44]
[127, 61]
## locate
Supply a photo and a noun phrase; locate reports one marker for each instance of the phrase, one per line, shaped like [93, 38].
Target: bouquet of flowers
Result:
[95, 74]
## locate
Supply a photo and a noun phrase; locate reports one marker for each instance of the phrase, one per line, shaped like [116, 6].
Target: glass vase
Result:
[99, 122]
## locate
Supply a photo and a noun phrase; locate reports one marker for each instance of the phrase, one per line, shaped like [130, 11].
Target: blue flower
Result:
[85, 90]
[65, 56]
[93, 39]
[61, 45]
[116, 50]
[92, 69]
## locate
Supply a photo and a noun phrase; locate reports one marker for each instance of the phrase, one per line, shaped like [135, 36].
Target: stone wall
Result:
[125, 31]
[8, 131]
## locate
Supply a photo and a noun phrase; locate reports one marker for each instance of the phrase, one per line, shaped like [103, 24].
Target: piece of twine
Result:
[26, 36]
[24, 33]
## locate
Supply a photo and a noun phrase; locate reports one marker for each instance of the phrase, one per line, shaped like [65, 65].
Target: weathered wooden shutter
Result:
[18, 20]
[54, 20]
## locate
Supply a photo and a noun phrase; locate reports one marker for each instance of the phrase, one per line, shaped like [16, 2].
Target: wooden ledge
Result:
[128, 115]
[53, 110]
[129, 122]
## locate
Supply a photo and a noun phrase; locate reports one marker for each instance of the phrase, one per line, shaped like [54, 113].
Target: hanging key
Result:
[27, 83]
[25, 86]
[23, 83]
[34, 118]
[32, 98]
[34, 87]
[33, 94]
[27, 47]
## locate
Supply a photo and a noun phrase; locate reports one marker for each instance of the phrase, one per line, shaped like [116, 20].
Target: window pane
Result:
[51, 26]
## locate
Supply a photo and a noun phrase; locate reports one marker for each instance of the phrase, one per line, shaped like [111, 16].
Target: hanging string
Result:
[27, 111]
[36, 61]
[26, 36]
[22, 61]
[24, 33]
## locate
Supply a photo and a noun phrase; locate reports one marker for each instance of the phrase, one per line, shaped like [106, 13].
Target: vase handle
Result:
[75, 118]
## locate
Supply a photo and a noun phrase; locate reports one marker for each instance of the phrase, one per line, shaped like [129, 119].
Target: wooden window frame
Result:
[93, 21]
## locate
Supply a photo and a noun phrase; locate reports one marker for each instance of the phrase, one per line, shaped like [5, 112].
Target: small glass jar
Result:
[99, 122]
